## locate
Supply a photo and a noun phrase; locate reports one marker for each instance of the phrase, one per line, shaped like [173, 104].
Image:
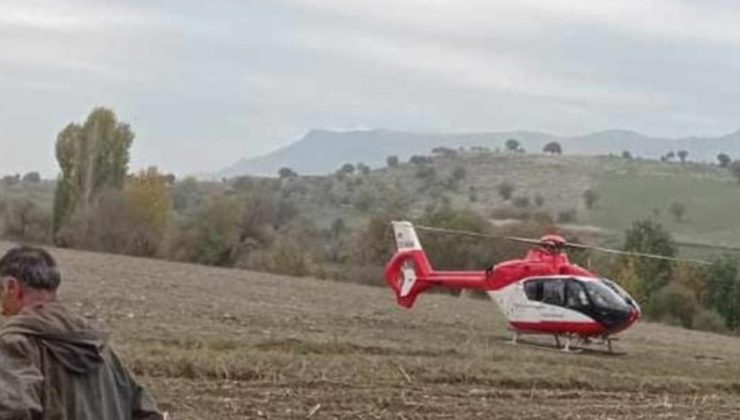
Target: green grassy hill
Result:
[627, 190]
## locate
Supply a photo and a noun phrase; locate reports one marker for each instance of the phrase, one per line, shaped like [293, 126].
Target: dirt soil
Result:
[228, 344]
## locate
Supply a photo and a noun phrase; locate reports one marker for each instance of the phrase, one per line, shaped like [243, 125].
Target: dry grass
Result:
[228, 344]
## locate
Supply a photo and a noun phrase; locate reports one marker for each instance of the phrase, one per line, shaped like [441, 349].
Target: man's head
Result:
[28, 275]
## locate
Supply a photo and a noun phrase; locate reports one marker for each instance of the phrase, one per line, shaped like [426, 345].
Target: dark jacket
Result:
[54, 365]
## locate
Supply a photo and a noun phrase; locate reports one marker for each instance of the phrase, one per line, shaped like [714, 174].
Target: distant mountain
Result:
[323, 151]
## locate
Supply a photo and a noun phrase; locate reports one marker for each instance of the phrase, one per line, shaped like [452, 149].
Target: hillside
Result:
[229, 344]
[627, 190]
[321, 152]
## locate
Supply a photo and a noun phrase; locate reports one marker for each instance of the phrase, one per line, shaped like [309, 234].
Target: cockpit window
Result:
[546, 290]
[533, 289]
[603, 295]
[576, 294]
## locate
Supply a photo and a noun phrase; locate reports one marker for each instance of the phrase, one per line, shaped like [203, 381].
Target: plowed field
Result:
[228, 344]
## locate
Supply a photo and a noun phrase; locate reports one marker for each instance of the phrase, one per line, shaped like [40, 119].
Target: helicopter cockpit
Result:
[600, 299]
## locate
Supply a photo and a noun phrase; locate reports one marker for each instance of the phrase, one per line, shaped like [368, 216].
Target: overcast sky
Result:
[204, 83]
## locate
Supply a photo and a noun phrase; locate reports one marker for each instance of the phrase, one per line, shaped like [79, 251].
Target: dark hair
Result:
[33, 267]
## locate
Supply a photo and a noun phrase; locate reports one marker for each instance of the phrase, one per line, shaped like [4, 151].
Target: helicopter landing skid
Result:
[569, 344]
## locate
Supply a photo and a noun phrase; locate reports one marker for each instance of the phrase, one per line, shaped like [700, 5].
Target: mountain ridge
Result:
[321, 151]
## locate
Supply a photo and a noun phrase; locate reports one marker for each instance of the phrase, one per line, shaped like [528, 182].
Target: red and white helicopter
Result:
[543, 293]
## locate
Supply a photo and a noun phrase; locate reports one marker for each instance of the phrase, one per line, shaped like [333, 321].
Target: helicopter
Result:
[542, 293]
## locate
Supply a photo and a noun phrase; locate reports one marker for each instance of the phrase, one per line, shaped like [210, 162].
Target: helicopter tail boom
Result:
[409, 272]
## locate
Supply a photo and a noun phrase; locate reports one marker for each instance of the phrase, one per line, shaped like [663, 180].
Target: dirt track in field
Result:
[228, 344]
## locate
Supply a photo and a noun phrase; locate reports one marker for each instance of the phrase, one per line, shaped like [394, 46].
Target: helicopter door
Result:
[553, 292]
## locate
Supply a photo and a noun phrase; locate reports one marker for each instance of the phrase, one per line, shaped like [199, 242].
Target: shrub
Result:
[709, 320]
[567, 216]
[674, 301]
[505, 189]
[25, 221]
[521, 202]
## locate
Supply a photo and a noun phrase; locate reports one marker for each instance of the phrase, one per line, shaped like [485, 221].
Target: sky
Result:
[204, 84]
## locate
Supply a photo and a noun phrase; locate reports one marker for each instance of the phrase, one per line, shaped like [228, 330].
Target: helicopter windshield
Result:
[602, 295]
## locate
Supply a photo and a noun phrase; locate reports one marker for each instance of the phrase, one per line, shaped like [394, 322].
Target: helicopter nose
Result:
[634, 315]
[627, 319]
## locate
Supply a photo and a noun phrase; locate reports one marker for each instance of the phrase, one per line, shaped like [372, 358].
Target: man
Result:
[53, 364]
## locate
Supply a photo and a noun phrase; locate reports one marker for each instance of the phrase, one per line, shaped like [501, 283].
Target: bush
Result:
[210, 236]
[674, 301]
[456, 252]
[677, 210]
[25, 221]
[709, 320]
[539, 200]
[521, 202]
[505, 189]
[284, 257]
[426, 172]
[459, 173]
[589, 198]
[567, 216]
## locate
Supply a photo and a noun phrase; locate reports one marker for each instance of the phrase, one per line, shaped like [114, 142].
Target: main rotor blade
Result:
[708, 246]
[566, 244]
[477, 234]
[636, 254]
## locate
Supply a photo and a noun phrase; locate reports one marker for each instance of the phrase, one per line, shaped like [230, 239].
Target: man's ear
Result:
[13, 288]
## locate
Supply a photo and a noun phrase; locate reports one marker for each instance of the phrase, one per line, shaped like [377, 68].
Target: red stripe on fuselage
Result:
[584, 329]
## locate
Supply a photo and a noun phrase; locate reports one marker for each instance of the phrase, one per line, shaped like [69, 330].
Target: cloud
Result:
[241, 78]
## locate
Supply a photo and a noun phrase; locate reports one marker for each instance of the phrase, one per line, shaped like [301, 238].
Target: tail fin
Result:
[408, 271]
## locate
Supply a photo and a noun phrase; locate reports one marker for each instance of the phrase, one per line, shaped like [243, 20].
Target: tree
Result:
[93, 158]
[363, 169]
[392, 161]
[553, 148]
[444, 152]
[724, 160]
[649, 237]
[589, 198]
[505, 189]
[626, 155]
[512, 145]
[669, 156]
[31, 178]
[677, 210]
[418, 160]
[683, 154]
[10, 180]
[347, 168]
[148, 201]
[285, 172]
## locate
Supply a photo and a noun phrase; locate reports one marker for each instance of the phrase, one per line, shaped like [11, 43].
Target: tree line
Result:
[263, 224]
